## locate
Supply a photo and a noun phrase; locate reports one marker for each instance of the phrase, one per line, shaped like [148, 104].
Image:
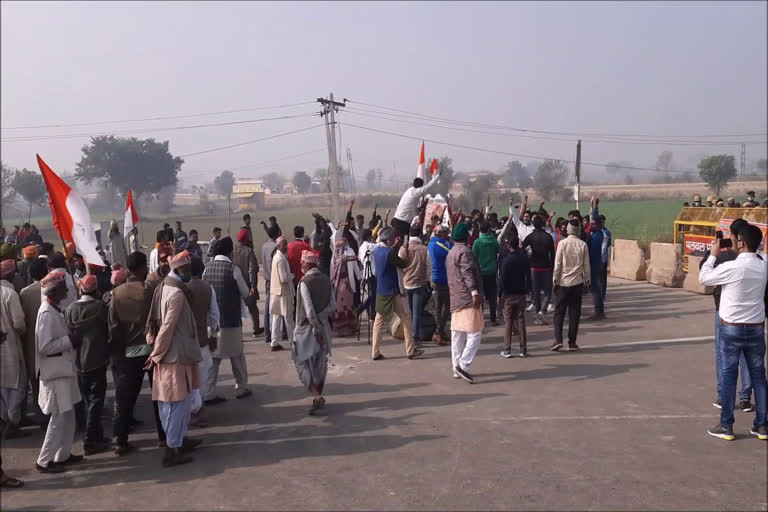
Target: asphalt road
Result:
[620, 424]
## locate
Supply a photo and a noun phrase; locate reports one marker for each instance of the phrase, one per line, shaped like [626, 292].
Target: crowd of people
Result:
[175, 314]
[713, 201]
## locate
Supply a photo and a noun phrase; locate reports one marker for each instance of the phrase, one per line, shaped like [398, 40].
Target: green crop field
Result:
[640, 220]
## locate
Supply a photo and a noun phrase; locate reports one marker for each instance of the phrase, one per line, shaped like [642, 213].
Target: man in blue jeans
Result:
[745, 391]
[742, 319]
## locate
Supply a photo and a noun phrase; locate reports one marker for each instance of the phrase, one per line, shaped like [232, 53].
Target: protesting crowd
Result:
[175, 314]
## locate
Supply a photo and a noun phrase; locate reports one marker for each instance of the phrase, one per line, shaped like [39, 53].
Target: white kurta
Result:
[57, 395]
[281, 276]
[13, 375]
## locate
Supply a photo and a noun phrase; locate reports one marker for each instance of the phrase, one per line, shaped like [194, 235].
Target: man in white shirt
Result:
[742, 318]
[409, 203]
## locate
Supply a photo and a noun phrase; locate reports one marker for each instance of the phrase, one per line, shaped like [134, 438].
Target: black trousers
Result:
[489, 289]
[129, 377]
[568, 298]
[93, 388]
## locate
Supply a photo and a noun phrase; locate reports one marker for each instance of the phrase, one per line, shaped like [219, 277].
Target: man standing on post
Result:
[245, 259]
[465, 287]
[128, 312]
[438, 249]
[55, 361]
[267, 250]
[486, 252]
[389, 299]
[515, 283]
[407, 208]
[570, 275]
[87, 320]
[228, 283]
[281, 295]
[175, 355]
[742, 315]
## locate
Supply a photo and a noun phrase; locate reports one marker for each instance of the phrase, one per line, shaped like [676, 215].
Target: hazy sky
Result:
[658, 69]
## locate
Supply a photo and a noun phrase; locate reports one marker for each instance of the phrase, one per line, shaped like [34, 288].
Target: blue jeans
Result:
[416, 305]
[542, 282]
[745, 392]
[749, 341]
[596, 287]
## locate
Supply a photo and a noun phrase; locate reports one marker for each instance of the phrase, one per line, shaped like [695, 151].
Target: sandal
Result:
[10, 482]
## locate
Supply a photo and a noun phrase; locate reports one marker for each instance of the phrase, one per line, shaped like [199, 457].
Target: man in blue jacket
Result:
[438, 248]
[595, 248]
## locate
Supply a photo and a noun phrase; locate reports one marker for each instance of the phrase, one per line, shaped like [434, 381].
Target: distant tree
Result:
[629, 180]
[516, 175]
[302, 181]
[532, 167]
[478, 191]
[224, 183]
[30, 186]
[7, 192]
[762, 165]
[141, 165]
[717, 170]
[550, 178]
[664, 165]
[445, 164]
[273, 182]
[373, 179]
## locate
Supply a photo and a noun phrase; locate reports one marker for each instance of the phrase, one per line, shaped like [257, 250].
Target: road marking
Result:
[595, 418]
[650, 342]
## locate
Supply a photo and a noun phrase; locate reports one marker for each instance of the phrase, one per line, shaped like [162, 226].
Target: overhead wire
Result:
[158, 118]
[552, 132]
[253, 164]
[540, 137]
[152, 130]
[211, 150]
[507, 153]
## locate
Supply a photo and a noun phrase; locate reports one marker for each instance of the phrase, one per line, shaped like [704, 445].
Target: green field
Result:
[645, 221]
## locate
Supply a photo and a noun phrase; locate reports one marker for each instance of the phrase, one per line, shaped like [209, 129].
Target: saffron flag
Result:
[420, 170]
[131, 219]
[433, 167]
[71, 218]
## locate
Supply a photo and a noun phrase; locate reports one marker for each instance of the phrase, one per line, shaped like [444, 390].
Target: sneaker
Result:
[244, 393]
[556, 346]
[465, 375]
[550, 309]
[277, 348]
[507, 352]
[123, 448]
[51, 467]
[717, 404]
[530, 308]
[456, 375]
[523, 353]
[746, 406]
[722, 432]
[761, 432]
[573, 346]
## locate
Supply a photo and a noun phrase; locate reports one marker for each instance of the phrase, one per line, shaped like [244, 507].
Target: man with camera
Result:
[742, 319]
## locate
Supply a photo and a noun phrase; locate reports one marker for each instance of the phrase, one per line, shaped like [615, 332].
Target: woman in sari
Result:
[345, 272]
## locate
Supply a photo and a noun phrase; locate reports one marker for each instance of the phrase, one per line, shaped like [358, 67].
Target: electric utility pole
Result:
[578, 173]
[330, 108]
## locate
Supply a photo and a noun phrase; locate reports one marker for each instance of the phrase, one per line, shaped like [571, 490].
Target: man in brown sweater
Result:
[415, 277]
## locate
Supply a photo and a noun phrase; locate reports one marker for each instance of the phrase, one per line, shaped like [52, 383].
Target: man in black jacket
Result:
[515, 284]
[542, 262]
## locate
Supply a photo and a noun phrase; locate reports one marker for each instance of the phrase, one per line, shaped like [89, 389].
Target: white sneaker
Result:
[550, 308]
[530, 308]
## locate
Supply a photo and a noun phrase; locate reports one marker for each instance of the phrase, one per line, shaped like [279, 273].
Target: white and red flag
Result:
[131, 218]
[71, 218]
[420, 171]
[433, 167]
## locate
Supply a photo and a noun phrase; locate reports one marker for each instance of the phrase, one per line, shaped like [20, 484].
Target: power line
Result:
[539, 137]
[151, 130]
[251, 141]
[533, 157]
[551, 132]
[266, 162]
[161, 118]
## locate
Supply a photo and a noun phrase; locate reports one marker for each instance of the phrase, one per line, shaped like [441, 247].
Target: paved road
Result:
[619, 425]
